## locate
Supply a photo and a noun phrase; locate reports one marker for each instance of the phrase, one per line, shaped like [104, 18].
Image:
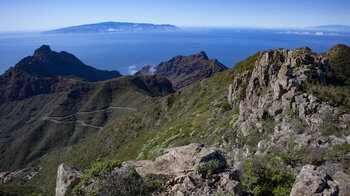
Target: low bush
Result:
[97, 171]
[340, 154]
[209, 168]
[267, 176]
[131, 184]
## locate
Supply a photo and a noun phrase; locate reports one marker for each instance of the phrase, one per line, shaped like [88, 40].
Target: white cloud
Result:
[132, 69]
[152, 70]
[319, 33]
[308, 33]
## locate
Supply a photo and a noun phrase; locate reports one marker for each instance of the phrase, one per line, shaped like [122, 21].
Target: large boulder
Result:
[67, 178]
[179, 160]
[312, 181]
[343, 181]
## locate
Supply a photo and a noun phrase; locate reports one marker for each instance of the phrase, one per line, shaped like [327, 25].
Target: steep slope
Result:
[183, 71]
[339, 57]
[46, 72]
[35, 126]
[271, 114]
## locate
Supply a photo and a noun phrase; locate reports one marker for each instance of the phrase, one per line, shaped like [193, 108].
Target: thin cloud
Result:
[308, 33]
[132, 69]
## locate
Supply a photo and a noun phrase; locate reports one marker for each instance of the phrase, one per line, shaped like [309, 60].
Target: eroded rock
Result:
[312, 181]
[67, 178]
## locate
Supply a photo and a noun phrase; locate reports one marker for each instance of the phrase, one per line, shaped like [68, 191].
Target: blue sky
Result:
[18, 15]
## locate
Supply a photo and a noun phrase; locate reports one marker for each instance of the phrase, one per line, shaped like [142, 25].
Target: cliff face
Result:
[183, 71]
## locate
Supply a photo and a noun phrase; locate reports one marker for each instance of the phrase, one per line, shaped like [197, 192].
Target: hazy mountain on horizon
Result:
[332, 27]
[114, 27]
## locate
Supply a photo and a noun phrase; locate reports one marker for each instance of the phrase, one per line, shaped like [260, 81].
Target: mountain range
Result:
[114, 27]
[275, 123]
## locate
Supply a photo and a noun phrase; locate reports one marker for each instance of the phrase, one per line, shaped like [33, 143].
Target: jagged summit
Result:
[183, 71]
[44, 49]
[203, 55]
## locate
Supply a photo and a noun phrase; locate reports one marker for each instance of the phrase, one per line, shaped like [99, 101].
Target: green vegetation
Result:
[267, 176]
[340, 154]
[14, 190]
[339, 57]
[298, 62]
[337, 96]
[199, 113]
[97, 171]
[207, 169]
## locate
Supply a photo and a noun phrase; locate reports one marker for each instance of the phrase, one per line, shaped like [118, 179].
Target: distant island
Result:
[114, 27]
[332, 27]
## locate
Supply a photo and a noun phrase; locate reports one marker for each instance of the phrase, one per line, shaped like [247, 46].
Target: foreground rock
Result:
[343, 181]
[194, 169]
[67, 178]
[179, 160]
[313, 181]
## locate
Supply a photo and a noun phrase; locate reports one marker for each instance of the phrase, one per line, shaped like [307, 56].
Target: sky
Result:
[27, 15]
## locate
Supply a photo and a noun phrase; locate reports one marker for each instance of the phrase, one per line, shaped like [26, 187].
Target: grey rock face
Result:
[67, 178]
[312, 181]
[179, 160]
[343, 181]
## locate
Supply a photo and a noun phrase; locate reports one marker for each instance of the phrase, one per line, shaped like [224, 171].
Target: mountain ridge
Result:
[183, 71]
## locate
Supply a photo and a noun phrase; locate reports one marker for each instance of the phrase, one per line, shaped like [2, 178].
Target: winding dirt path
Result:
[59, 119]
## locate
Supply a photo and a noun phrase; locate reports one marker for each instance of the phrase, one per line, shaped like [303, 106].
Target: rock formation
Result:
[185, 70]
[178, 168]
[312, 181]
[67, 178]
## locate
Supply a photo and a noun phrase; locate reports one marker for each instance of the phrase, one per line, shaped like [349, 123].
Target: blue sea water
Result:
[128, 52]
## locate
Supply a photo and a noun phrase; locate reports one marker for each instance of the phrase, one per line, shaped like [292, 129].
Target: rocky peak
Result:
[201, 54]
[44, 49]
[48, 63]
[183, 71]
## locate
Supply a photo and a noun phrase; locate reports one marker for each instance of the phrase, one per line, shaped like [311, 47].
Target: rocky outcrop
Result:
[183, 71]
[67, 178]
[179, 160]
[275, 90]
[312, 181]
[343, 181]
[178, 170]
[180, 165]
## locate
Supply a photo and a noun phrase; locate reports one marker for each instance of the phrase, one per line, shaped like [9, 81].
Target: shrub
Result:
[269, 124]
[340, 154]
[97, 171]
[267, 176]
[207, 169]
[130, 184]
[242, 94]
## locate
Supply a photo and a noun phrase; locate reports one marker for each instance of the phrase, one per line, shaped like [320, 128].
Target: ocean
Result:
[128, 52]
